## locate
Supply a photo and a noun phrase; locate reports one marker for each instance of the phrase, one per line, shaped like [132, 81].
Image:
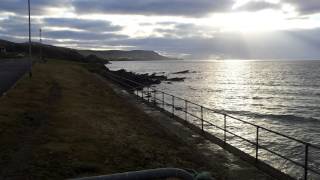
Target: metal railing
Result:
[162, 173]
[168, 103]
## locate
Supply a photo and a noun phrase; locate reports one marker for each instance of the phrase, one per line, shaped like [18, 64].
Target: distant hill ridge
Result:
[50, 51]
[127, 55]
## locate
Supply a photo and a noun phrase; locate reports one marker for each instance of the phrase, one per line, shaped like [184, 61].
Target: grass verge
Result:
[65, 122]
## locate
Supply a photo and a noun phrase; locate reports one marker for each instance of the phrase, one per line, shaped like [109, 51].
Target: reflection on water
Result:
[282, 96]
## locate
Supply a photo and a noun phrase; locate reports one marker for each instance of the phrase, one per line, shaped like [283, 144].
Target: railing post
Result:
[163, 100]
[202, 118]
[172, 105]
[257, 144]
[225, 128]
[154, 97]
[186, 110]
[306, 159]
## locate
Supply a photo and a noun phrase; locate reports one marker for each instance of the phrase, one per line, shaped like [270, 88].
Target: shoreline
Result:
[273, 160]
[66, 122]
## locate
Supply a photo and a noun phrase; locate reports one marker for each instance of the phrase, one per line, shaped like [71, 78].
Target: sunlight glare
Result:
[265, 20]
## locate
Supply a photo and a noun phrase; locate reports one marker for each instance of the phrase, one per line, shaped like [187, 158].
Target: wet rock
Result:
[184, 72]
[176, 79]
[135, 80]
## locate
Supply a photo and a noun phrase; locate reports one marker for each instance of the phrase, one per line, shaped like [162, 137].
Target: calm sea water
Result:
[280, 95]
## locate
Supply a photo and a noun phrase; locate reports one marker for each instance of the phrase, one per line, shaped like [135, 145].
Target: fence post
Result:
[257, 144]
[306, 159]
[163, 100]
[225, 128]
[186, 110]
[202, 118]
[172, 105]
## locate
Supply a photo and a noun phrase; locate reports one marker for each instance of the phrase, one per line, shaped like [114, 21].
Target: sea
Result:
[283, 96]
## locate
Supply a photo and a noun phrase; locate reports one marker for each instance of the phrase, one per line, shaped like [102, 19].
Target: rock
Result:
[176, 79]
[134, 80]
[184, 72]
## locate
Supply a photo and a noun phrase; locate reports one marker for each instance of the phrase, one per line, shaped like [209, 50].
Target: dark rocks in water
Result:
[159, 77]
[132, 80]
[138, 80]
[184, 72]
[176, 79]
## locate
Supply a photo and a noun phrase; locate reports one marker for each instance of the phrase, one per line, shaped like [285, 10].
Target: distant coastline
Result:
[13, 50]
[134, 55]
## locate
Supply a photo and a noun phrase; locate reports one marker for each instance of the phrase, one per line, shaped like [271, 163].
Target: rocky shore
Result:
[130, 80]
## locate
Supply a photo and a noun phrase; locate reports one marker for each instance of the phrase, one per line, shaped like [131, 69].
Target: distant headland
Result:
[13, 49]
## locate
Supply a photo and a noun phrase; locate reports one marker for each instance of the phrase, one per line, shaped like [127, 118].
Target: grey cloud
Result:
[146, 24]
[17, 26]
[305, 6]
[194, 8]
[182, 30]
[38, 7]
[258, 5]
[153, 7]
[75, 35]
[88, 25]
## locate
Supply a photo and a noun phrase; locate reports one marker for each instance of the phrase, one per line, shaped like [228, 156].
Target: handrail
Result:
[235, 118]
[226, 117]
[161, 173]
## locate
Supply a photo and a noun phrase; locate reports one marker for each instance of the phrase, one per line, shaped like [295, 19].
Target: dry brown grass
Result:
[65, 122]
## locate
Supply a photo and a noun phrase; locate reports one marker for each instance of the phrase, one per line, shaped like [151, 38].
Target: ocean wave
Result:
[279, 117]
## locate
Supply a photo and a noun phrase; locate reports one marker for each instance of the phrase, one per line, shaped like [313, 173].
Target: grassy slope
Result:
[65, 122]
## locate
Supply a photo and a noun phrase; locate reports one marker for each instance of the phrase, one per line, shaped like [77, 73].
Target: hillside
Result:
[48, 50]
[126, 55]
[63, 53]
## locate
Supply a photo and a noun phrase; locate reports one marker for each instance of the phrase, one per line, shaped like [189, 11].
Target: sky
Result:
[189, 29]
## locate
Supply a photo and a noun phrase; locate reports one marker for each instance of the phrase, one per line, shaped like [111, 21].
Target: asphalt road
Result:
[11, 71]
